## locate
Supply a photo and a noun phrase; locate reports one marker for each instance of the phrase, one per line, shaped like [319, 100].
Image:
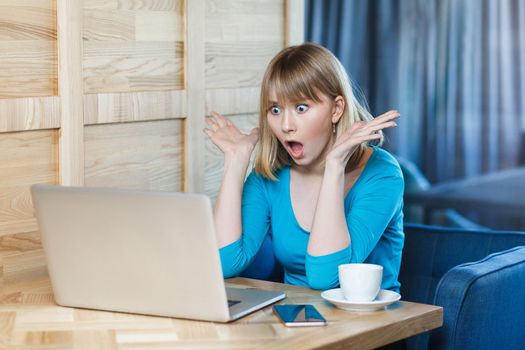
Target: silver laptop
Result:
[143, 252]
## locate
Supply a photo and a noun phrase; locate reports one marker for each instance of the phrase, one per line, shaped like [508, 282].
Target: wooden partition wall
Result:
[115, 93]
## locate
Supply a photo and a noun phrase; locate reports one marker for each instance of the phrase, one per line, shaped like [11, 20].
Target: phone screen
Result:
[299, 315]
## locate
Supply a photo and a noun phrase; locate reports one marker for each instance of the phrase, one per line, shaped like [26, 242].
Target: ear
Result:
[338, 109]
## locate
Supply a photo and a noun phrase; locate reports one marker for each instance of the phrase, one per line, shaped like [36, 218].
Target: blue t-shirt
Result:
[374, 215]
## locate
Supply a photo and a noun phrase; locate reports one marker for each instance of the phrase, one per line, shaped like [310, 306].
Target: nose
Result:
[288, 122]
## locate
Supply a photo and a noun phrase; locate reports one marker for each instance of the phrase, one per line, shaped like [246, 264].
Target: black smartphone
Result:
[297, 315]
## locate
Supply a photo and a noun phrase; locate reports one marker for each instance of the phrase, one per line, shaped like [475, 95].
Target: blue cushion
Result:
[430, 251]
[483, 303]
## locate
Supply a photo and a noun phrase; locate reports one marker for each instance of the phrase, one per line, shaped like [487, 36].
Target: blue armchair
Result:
[482, 295]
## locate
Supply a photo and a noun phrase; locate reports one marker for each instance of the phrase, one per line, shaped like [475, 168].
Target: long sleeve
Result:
[375, 205]
[236, 256]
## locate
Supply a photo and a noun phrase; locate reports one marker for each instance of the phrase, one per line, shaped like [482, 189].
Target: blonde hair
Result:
[297, 73]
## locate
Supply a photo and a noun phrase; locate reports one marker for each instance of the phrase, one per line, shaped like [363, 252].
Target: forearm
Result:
[329, 232]
[227, 211]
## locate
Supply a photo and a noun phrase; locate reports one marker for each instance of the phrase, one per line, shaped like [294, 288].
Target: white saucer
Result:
[384, 298]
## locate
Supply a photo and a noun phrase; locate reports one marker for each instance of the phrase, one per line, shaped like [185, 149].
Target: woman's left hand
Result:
[361, 131]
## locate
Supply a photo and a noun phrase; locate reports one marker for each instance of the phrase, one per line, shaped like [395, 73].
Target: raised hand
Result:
[359, 132]
[230, 140]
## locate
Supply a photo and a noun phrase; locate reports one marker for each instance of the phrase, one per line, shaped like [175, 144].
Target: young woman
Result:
[319, 188]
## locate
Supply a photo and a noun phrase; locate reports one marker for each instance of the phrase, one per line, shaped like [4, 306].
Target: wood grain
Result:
[132, 66]
[25, 158]
[28, 20]
[28, 48]
[29, 68]
[159, 26]
[151, 5]
[108, 25]
[29, 113]
[233, 101]
[140, 155]
[294, 22]
[133, 46]
[134, 106]
[195, 84]
[29, 318]
[69, 18]
[233, 65]
[245, 21]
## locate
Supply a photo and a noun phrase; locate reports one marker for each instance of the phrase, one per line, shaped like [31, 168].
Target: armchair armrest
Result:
[483, 303]
[431, 251]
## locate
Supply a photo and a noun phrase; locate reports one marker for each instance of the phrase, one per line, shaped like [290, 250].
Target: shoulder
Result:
[383, 171]
[383, 164]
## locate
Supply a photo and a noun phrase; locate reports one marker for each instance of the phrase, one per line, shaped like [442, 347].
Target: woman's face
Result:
[304, 128]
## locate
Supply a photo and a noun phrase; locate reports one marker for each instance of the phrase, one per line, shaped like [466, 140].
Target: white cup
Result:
[360, 282]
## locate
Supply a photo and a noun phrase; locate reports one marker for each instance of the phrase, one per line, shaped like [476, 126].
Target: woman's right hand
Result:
[230, 140]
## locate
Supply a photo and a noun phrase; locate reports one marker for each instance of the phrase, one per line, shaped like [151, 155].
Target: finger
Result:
[378, 124]
[377, 127]
[357, 125]
[224, 120]
[386, 116]
[212, 124]
[219, 119]
[383, 118]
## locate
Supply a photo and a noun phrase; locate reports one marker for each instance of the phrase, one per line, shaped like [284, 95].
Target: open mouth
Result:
[295, 149]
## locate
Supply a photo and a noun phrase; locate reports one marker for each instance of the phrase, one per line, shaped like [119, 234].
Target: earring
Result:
[333, 128]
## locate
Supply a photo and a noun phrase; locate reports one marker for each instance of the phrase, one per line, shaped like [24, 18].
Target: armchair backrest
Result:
[431, 251]
[484, 303]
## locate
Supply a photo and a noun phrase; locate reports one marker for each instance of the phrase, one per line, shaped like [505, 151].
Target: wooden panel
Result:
[28, 68]
[241, 38]
[27, 48]
[145, 155]
[233, 101]
[234, 20]
[134, 106]
[133, 45]
[294, 22]
[29, 113]
[27, 20]
[69, 17]
[151, 5]
[232, 64]
[26, 158]
[159, 26]
[215, 158]
[126, 25]
[132, 66]
[194, 141]
[108, 25]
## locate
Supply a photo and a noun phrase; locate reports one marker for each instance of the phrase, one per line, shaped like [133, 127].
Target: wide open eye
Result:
[301, 108]
[275, 110]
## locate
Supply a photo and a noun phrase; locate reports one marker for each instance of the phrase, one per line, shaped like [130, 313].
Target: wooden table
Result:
[502, 193]
[29, 318]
